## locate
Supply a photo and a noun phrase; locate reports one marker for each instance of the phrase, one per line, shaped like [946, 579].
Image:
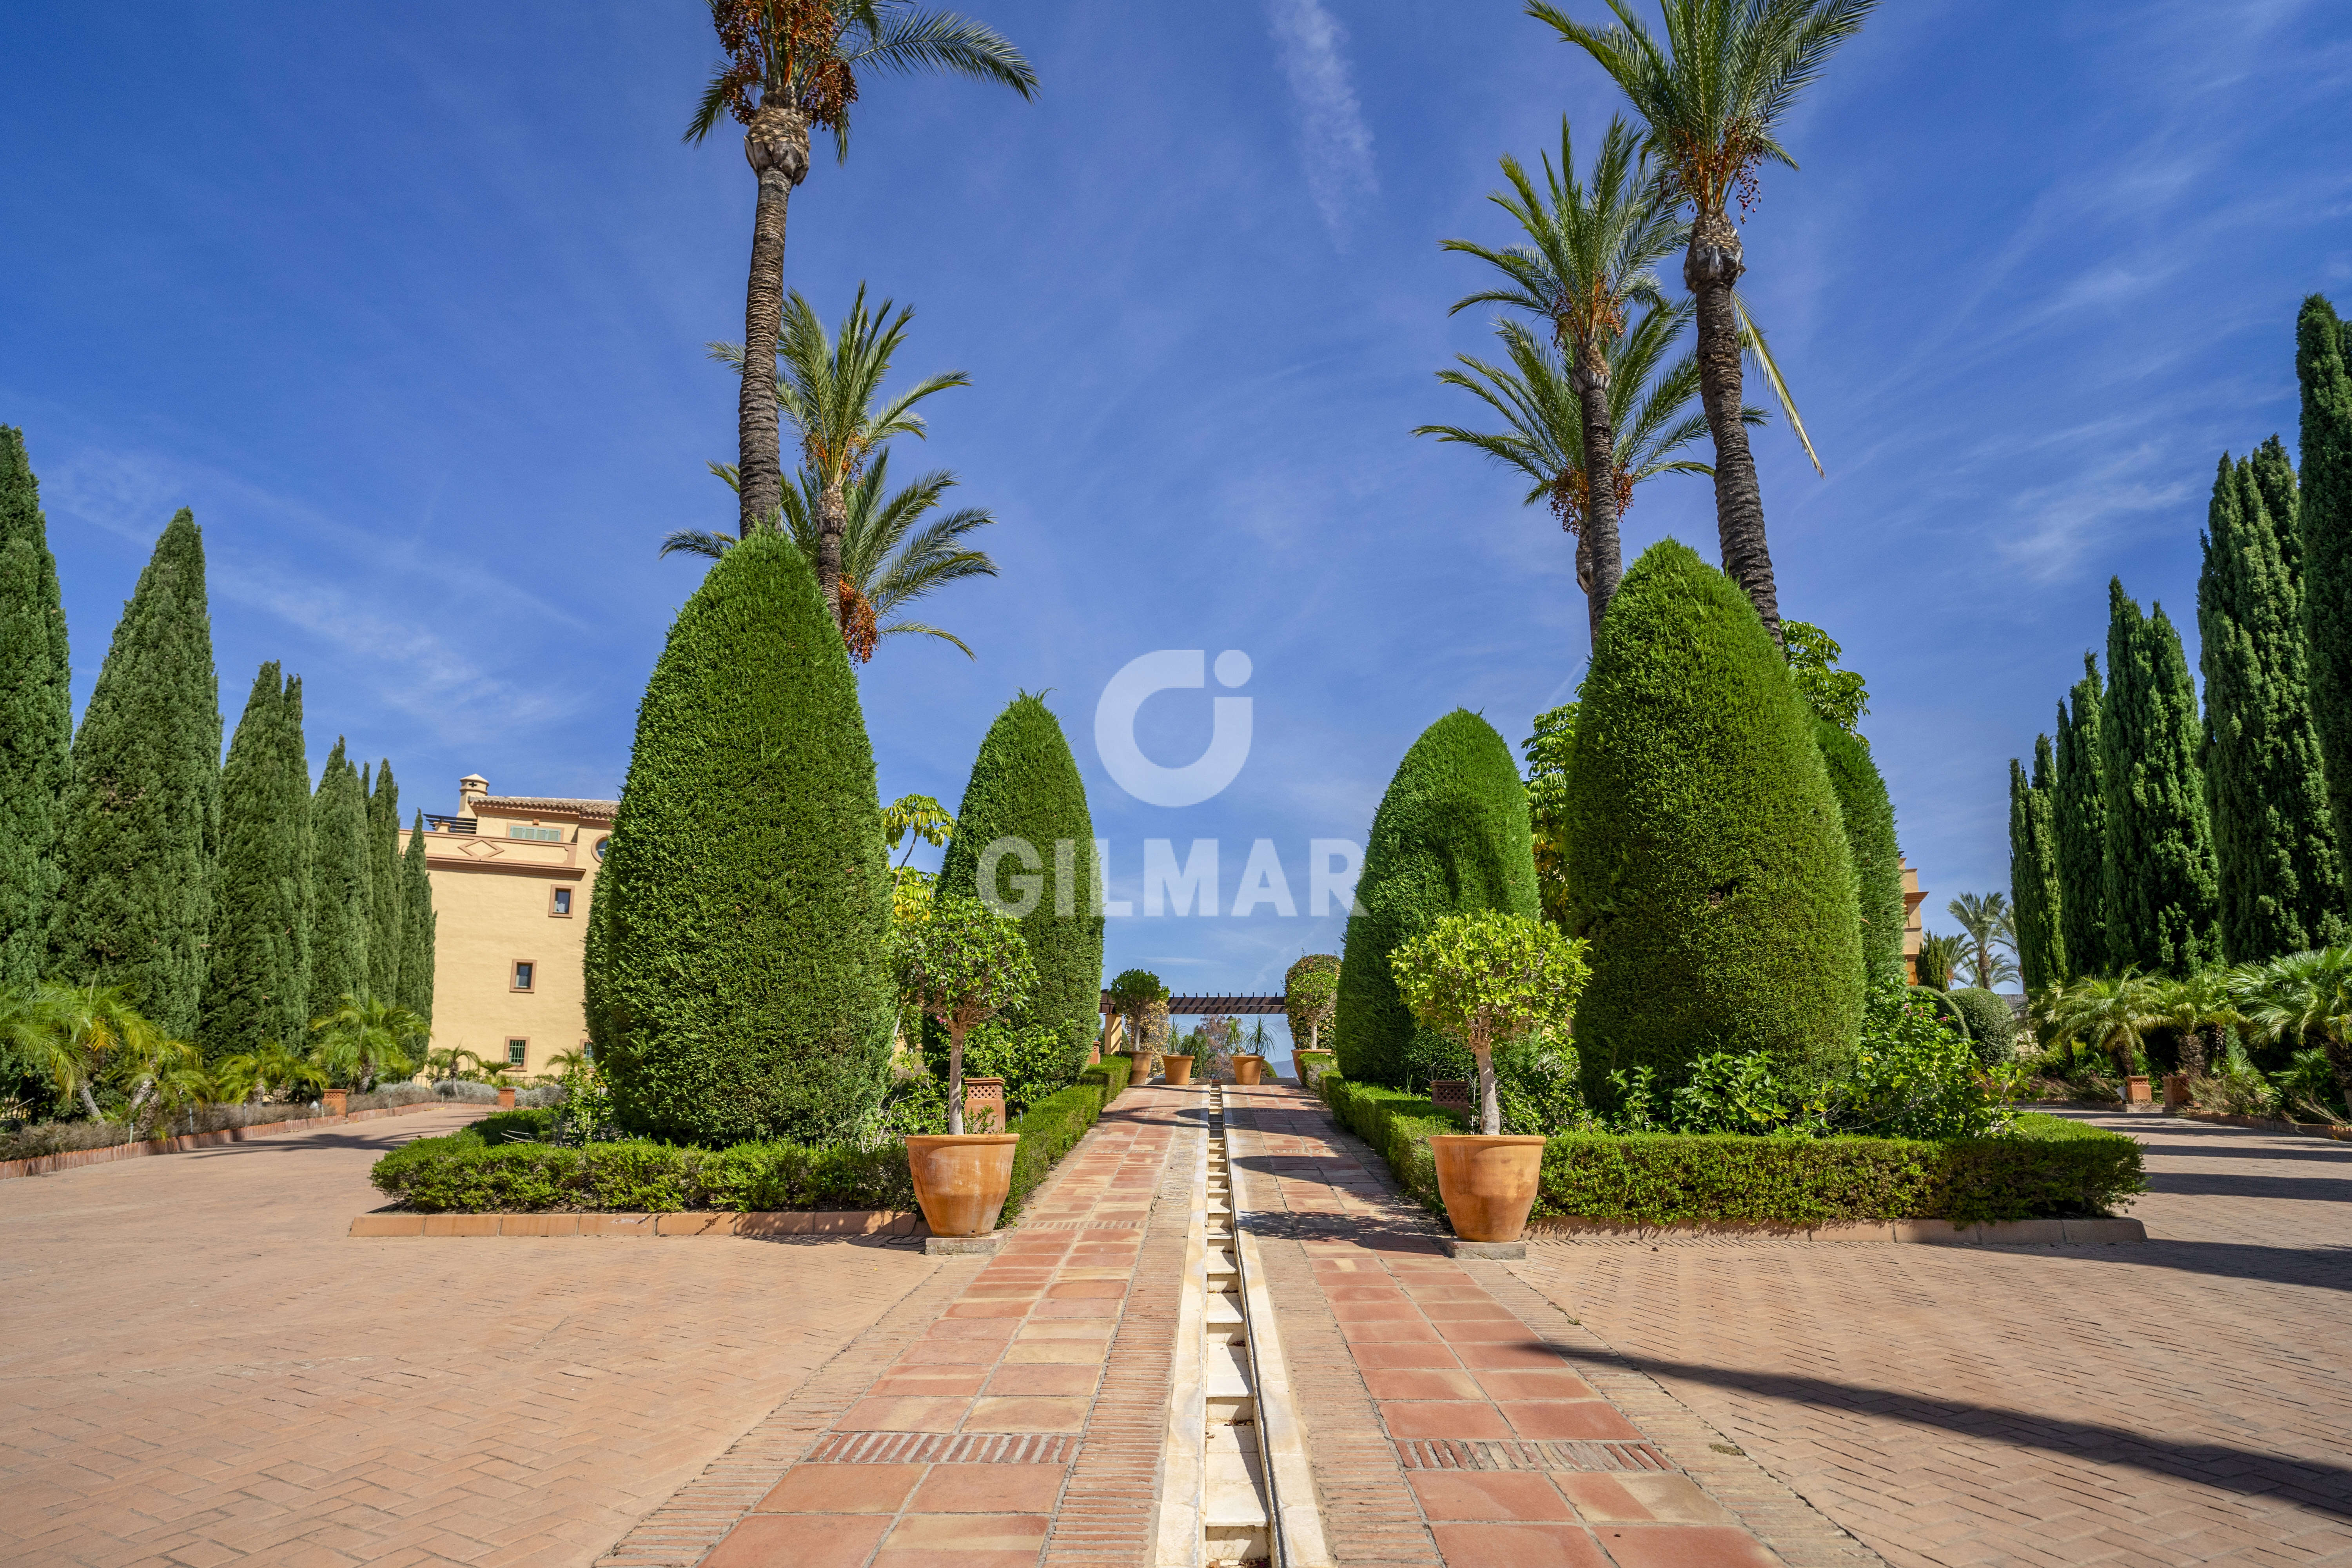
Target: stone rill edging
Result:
[72, 1159]
[694, 1222]
[1931, 1232]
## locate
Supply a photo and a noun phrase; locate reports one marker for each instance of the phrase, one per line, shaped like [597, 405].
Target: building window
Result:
[600, 848]
[561, 902]
[516, 1051]
[522, 973]
[545, 835]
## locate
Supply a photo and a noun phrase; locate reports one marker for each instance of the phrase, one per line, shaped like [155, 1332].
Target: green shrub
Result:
[1310, 994]
[1868, 814]
[1051, 1128]
[1673, 1178]
[1991, 1025]
[1707, 856]
[1398, 1124]
[1940, 1006]
[738, 966]
[1025, 785]
[515, 1126]
[1451, 836]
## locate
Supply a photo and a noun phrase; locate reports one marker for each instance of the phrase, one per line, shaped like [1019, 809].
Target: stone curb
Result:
[757, 1224]
[1925, 1232]
[74, 1159]
[2340, 1132]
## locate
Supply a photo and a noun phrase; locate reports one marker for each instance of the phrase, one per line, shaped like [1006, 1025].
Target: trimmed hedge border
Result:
[106, 1153]
[467, 1173]
[2051, 1167]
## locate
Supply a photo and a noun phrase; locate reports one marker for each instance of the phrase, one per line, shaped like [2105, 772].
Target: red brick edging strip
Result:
[44, 1164]
[2340, 1131]
[1932, 1232]
[698, 1222]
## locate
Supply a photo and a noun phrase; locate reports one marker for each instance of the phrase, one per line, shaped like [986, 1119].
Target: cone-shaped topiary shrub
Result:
[1868, 814]
[1451, 836]
[739, 959]
[139, 827]
[1706, 854]
[1026, 787]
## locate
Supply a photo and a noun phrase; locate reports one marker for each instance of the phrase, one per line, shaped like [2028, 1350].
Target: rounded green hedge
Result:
[1991, 1025]
[1705, 852]
[1940, 1003]
[1451, 835]
[1024, 785]
[737, 968]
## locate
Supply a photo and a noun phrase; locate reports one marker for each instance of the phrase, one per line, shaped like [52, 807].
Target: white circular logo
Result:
[1173, 669]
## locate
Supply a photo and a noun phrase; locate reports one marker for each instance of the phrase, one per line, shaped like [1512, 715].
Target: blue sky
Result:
[409, 306]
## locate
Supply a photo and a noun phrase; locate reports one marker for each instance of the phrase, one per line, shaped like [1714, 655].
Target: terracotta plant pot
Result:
[1246, 1068]
[984, 1096]
[335, 1100]
[506, 1099]
[1177, 1070]
[2176, 1090]
[2136, 1090]
[1488, 1184]
[1139, 1069]
[961, 1181]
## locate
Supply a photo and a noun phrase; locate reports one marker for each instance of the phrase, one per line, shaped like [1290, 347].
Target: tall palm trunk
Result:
[1710, 267]
[832, 522]
[777, 147]
[1599, 550]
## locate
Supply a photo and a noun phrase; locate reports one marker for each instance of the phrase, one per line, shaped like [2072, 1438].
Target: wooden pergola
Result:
[1211, 1006]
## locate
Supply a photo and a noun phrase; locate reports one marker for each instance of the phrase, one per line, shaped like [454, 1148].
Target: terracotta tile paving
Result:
[1026, 1420]
[2181, 1401]
[1445, 1423]
[199, 1367]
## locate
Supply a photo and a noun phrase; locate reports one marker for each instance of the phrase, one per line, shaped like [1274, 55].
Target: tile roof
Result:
[508, 804]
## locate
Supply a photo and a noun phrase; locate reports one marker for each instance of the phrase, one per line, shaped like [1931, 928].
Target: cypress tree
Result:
[341, 898]
[2275, 477]
[2079, 811]
[256, 987]
[2163, 898]
[2324, 519]
[1025, 785]
[1451, 836]
[36, 718]
[416, 928]
[738, 969]
[1707, 859]
[386, 894]
[141, 816]
[2033, 883]
[2281, 879]
[1868, 814]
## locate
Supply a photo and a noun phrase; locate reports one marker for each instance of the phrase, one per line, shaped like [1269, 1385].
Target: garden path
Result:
[1022, 1414]
[199, 1366]
[1451, 1415]
[2184, 1400]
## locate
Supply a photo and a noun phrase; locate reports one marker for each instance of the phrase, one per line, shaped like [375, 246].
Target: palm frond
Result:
[697, 541]
[911, 41]
[918, 628]
[1759, 354]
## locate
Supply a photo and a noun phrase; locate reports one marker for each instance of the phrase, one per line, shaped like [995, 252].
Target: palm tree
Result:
[826, 385]
[792, 67]
[2306, 994]
[364, 1038]
[1985, 917]
[1713, 97]
[76, 1034]
[2109, 1013]
[882, 568]
[2207, 999]
[1544, 421]
[272, 1069]
[1588, 256]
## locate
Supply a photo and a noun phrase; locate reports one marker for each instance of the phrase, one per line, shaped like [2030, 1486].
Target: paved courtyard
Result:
[197, 1366]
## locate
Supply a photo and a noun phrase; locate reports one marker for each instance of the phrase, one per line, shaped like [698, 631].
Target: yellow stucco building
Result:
[512, 878]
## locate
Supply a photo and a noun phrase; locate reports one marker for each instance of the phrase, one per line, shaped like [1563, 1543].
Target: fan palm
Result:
[272, 1069]
[1545, 424]
[1985, 917]
[2306, 994]
[792, 67]
[1588, 256]
[2205, 1000]
[1712, 99]
[886, 562]
[77, 1035]
[2111, 1013]
[364, 1038]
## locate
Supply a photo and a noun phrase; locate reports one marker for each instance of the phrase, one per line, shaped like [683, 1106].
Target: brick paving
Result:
[1451, 1415]
[2186, 1400]
[198, 1367]
[1027, 1417]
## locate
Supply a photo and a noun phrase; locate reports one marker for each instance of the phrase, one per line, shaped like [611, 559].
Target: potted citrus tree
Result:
[1132, 993]
[1487, 979]
[962, 966]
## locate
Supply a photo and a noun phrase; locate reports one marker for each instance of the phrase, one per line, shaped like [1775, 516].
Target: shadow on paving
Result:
[2328, 1189]
[2250, 1472]
[2321, 1153]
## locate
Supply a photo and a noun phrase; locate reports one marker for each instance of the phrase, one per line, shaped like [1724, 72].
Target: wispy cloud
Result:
[1334, 140]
